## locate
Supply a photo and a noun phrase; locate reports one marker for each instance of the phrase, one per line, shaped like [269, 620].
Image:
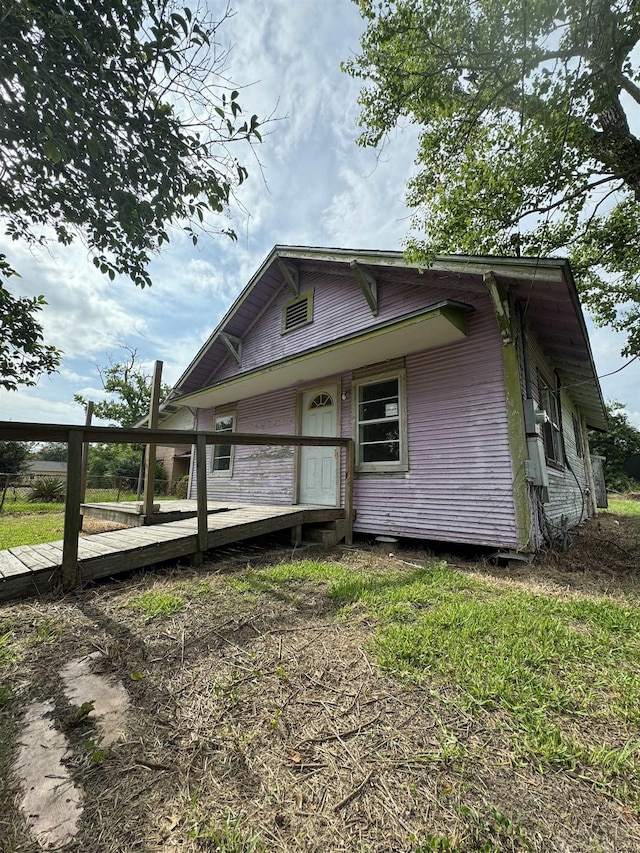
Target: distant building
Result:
[38, 468]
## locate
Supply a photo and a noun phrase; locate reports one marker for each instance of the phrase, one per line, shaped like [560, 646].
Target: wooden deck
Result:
[131, 513]
[36, 569]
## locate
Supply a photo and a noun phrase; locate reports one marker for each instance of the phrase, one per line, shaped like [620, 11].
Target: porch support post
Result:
[70, 569]
[201, 494]
[592, 502]
[150, 457]
[85, 459]
[348, 491]
[515, 412]
[296, 536]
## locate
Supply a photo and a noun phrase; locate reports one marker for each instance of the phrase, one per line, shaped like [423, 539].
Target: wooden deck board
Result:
[35, 569]
[32, 558]
[10, 565]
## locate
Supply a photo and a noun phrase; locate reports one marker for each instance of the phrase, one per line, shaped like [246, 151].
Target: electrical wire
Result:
[601, 375]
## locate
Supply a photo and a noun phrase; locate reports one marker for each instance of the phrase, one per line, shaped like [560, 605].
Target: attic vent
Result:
[297, 312]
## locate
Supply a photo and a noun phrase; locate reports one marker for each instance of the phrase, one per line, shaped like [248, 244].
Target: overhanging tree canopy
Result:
[525, 140]
[115, 125]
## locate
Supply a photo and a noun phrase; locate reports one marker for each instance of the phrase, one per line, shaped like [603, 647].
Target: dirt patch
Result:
[95, 525]
[260, 717]
[604, 557]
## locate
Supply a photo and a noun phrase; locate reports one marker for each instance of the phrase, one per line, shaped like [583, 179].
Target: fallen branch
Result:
[341, 735]
[353, 794]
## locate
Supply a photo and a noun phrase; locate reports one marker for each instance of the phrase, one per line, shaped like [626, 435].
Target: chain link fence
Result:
[20, 491]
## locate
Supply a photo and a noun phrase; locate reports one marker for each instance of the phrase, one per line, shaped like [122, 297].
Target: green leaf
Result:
[107, 91]
[93, 147]
[51, 151]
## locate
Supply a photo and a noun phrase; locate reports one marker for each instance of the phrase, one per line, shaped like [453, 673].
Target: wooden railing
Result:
[77, 437]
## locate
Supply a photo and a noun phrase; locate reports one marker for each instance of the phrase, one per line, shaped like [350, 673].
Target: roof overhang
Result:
[437, 325]
[544, 285]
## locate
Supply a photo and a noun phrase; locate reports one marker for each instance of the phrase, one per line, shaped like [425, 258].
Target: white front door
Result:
[319, 465]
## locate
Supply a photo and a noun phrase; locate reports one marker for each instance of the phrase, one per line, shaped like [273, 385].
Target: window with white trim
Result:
[380, 423]
[222, 454]
[552, 428]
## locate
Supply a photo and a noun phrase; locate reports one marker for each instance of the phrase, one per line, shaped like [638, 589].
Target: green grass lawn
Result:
[17, 503]
[31, 528]
[622, 506]
[559, 678]
[492, 710]
[25, 523]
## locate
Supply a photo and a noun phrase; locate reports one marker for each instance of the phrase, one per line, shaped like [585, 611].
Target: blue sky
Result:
[316, 188]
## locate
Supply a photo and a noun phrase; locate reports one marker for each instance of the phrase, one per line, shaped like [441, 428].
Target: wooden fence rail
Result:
[77, 437]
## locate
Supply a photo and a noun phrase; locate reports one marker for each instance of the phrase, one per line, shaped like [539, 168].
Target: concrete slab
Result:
[110, 699]
[51, 802]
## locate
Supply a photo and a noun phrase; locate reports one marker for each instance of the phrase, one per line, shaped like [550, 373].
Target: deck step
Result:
[326, 534]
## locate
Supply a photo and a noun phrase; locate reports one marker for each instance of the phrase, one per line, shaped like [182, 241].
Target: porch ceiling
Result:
[438, 325]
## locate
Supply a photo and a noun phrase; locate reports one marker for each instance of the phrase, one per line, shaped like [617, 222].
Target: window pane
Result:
[378, 401]
[222, 457]
[389, 431]
[377, 390]
[383, 452]
[222, 453]
[224, 424]
[379, 420]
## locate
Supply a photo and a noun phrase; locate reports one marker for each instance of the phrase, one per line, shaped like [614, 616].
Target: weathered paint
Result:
[340, 309]
[262, 475]
[508, 326]
[466, 442]
[458, 487]
[568, 483]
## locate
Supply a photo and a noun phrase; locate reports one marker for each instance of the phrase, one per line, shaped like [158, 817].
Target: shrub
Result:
[180, 486]
[47, 490]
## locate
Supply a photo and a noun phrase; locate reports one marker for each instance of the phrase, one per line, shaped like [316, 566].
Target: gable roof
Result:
[544, 285]
[37, 466]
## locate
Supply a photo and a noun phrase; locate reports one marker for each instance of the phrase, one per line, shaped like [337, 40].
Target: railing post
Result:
[348, 491]
[150, 459]
[85, 458]
[70, 572]
[201, 494]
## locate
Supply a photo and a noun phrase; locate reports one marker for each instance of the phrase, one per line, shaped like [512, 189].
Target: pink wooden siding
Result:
[260, 474]
[458, 487]
[339, 309]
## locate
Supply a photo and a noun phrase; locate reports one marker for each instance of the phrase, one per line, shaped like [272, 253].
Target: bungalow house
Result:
[468, 388]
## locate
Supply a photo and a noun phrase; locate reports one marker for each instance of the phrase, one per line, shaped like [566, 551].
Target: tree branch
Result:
[629, 86]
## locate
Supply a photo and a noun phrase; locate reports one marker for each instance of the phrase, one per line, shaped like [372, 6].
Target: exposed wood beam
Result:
[291, 275]
[21, 431]
[500, 301]
[368, 285]
[233, 345]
